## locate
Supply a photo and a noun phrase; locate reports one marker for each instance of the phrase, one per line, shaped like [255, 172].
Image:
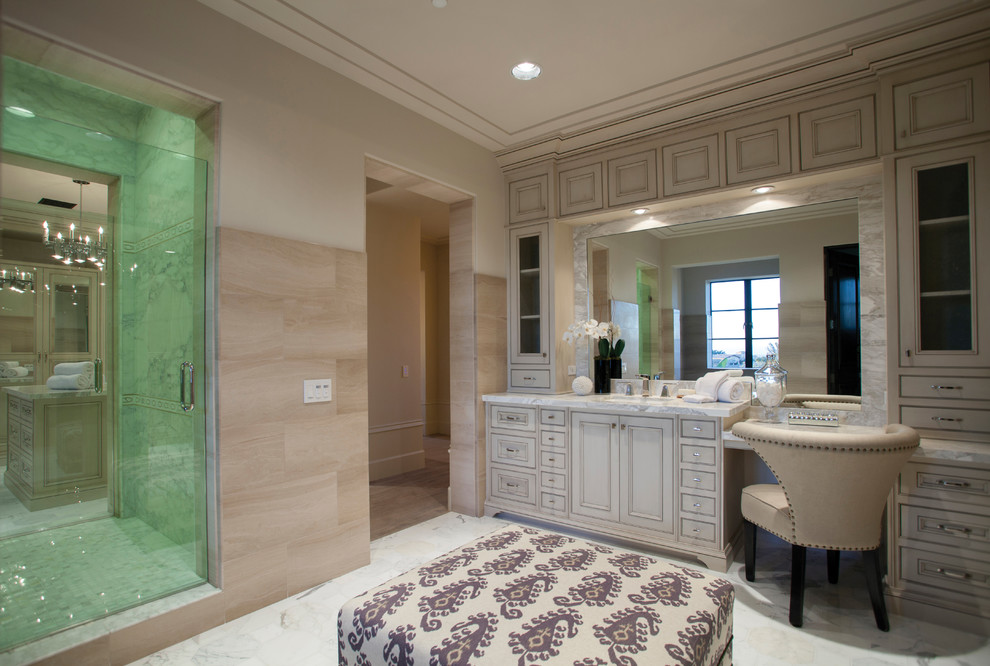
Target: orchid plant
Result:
[606, 332]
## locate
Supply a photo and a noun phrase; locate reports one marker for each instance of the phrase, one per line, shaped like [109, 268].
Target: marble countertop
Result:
[935, 450]
[43, 392]
[620, 403]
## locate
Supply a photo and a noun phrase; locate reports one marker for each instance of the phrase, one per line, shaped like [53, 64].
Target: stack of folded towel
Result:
[10, 369]
[721, 386]
[72, 376]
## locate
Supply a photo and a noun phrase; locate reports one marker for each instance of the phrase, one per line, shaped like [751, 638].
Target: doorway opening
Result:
[409, 341]
[842, 318]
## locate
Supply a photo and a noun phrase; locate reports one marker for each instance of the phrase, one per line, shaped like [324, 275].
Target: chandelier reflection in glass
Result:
[75, 247]
[17, 281]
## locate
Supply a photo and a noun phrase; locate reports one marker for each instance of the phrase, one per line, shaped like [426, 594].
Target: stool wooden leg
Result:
[871, 562]
[832, 561]
[797, 585]
[749, 549]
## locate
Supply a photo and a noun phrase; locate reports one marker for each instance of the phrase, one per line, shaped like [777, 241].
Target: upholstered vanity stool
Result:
[832, 489]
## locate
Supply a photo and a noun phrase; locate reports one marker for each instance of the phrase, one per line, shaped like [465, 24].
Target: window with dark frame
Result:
[742, 321]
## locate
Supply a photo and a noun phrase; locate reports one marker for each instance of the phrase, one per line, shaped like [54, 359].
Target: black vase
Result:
[603, 377]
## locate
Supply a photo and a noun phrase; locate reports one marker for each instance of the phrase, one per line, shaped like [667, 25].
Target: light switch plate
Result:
[317, 390]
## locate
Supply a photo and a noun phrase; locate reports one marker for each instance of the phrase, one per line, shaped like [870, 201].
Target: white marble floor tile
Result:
[839, 626]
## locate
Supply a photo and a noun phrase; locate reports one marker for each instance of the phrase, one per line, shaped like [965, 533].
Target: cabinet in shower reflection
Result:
[56, 446]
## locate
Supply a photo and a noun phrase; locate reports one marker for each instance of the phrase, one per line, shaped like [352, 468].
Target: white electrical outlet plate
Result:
[317, 390]
[571, 370]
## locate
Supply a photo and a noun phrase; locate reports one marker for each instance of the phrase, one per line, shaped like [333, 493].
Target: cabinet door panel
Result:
[528, 302]
[942, 107]
[646, 452]
[594, 466]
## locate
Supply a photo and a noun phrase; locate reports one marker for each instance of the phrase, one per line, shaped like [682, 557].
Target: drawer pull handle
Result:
[696, 480]
[511, 450]
[550, 501]
[944, 418]
[951, 573]
[550, 439]
[528, 379]
[696, 428]
[696, 530]
[510, 418]
[953, 529]
[697, 505]
[512, 485]
[550, 481]
[952, 483]
[551, 416]
[936, 387]
[613, 426]
[552, 459]
[696, 454]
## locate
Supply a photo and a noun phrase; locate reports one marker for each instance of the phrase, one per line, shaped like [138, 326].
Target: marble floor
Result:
[15, 519]
[839, 626]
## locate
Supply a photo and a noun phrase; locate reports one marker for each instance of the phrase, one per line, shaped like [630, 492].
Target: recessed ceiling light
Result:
[99, 136]
[641, 211]
[439, 4]
[21, 111]
[762, 189]
[525, 71]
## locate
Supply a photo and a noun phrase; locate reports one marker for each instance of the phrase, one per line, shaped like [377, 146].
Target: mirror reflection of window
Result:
[743, 322]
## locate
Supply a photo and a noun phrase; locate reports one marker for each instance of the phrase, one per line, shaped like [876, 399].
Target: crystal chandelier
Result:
[18, 281]
[76, 247]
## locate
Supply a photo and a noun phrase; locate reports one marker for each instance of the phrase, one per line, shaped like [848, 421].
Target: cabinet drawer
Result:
[553, 503]
[513, 450]
[13, 408]
[553, 440]
[553, 417]
[692, 478]
[13, 434]
[959, 388]
[704, 506]
[553, 459]
[950, 528]
[949, 484]
[946, 419]
[514, 418]
[512, 485]
[27, 439]
[697, 530]
[27, 410]
[553, 480]
[26, 472]
[530, 378]
[702, 455]
[955, 574]
[697, 429]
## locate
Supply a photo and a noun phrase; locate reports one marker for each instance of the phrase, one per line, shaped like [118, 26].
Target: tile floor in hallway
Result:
[839, 626]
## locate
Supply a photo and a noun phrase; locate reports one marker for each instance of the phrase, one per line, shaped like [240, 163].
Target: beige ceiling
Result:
[602, 60]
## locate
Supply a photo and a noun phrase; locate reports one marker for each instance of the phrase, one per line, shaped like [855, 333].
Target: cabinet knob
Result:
[696, 480]
[613, 426]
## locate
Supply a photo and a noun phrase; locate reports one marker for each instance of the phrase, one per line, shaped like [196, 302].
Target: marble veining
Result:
[617, 403]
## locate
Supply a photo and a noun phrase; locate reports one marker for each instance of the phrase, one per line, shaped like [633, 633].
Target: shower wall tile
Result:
[293, 476]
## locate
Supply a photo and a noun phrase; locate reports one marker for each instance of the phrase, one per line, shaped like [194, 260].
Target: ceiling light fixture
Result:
[640, 211]
[526, 71]
[77, 247]
[762, 189]
[439, 4]
[21, 111]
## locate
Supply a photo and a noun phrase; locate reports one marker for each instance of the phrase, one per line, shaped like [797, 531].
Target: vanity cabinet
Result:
[652, 476]
[943, 382]
[941, 527]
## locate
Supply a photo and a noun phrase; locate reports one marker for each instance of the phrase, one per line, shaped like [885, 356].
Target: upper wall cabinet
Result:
[758, 151]
[690, 166]
[942, 107]
[529, 199]
[838, 133]
[580, 189]
[632, 178]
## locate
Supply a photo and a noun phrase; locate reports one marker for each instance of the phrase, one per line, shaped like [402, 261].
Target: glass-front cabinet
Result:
[529, 337]
[942, 288]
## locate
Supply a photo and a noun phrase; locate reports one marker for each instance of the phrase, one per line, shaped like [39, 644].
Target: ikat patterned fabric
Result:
[527, 596]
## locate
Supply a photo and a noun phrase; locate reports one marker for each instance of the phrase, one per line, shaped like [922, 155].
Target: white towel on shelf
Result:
[18, 371]
[732, 390]
[710, 383]
[698, 397]
[70, 382]
[80, 368]
[7, 365]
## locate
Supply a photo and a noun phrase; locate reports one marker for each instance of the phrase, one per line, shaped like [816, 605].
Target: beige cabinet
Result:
[580, 189]
[690, 166]
[941, 531]
[758, 152]
[56, 451]
[632, 178]
[595, 466]
[529, 199]
[942, 107]
[838, 133]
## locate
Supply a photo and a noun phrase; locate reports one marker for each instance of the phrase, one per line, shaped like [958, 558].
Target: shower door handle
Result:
[191, 405]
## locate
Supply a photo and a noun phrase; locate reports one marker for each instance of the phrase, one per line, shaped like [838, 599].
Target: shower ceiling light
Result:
[99, 136]
[526, 71]
[20, 111]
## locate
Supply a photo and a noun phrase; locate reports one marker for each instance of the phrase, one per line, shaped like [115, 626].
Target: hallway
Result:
[408, 499]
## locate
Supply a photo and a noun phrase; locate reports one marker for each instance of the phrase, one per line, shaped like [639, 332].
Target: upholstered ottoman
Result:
[526, 596]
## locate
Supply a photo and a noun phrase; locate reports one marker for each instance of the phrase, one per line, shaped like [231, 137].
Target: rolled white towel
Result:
[18, 371]
[710, 383]
[79, 368]
[698, 397]
[7, 365]
[732, 390]
[70, 382]
[734, 372]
